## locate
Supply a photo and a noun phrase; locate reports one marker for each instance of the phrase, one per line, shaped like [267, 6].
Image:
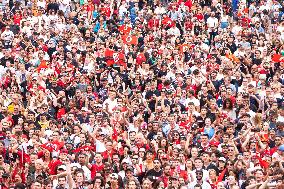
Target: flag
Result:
[109, 57]
[232, 57]
[167, 22]
[124, 29]
[53, 146]
[276, 58]
[84, 148]
[130, 40]
[184, 47]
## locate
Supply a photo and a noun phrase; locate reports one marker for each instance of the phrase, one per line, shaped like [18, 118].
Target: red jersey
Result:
[95, 168]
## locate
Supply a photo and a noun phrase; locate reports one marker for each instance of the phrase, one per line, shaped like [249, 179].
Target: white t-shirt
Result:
[212, 22]
[111, 104]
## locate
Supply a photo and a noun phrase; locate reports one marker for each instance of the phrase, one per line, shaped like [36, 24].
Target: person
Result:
[141, 94]
[199, 181]
[156, 172]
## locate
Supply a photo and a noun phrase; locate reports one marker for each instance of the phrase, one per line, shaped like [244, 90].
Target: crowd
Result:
[136, 94]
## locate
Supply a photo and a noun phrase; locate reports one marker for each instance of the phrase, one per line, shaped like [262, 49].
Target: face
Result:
[157, 164]
[199, 175]
[198, 164]
[146, 184]
[132, 185]
[194, 152]
[79, 177]
[62, 181]
[204, 139]
[220, 185]
[36, 185]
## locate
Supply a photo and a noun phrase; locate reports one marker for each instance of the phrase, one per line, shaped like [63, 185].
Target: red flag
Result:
[276, 58]
[84, 148]
[263, 163]
[130, 40]
[53, 146]
[167, 22]
[113, 57]
[125, 30]
[109, 57]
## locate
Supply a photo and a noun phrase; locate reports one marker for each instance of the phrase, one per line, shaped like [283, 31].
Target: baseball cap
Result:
[63, 151]
[62, 167]
[85, 109]
[114, 175]
[174, 178]
[165, 156]
[222, 159]
[125, 161]
[214, 143]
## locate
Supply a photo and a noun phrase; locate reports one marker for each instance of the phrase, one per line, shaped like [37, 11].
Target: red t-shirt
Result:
[17, 19]
[95, 168]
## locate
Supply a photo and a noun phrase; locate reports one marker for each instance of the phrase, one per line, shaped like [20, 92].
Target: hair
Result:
[101, 179]
[19, 186]
[230, 106]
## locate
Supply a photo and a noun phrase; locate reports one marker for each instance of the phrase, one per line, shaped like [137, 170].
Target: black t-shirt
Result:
[256, 61]
[52, 6]
[153, 175]
[232, 47]
[4, 60]
[151, 135]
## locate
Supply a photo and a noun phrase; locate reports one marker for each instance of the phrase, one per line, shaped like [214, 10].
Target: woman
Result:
[163, 144]
[79, 178]
[132, 185]
[188, 168]
[193, 153]
[228, 109]
[98, 182]
[148, 163]
[213, 179]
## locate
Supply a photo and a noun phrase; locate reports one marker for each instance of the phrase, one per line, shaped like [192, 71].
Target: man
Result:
[129, 176]
[156, 172]
[98, 166]
[62, 183]
[198, 163]
[113, 183]
[7, 37]
[199, 180]
[36, 185]
[166, 174]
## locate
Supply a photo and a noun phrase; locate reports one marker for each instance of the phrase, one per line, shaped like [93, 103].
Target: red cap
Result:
[165, 156]
[214, 143]
[24, 136]
[63, 151]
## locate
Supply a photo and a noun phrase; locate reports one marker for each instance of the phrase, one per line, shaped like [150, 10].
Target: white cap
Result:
[62, 167]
